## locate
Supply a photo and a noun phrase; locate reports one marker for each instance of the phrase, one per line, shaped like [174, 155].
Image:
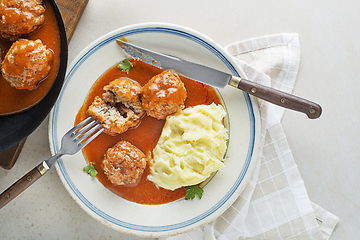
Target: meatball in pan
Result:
[124, 164]
[26, 63]
[20, 17]
[163, 95]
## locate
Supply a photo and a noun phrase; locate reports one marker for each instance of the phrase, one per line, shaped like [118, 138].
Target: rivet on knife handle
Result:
[311, 109]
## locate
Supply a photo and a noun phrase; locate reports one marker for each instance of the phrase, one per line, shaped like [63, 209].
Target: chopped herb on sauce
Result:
[90, 169]
[192, 191]
[125, 65]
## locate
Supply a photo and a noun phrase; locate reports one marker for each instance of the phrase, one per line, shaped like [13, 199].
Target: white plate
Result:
[179, 216]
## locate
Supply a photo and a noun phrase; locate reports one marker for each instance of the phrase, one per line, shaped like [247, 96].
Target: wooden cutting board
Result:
[71, 11]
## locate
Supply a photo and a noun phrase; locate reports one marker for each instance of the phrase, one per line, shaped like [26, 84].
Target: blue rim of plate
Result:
[171, 227]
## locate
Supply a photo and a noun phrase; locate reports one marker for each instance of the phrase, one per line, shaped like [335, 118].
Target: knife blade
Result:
[220, 79]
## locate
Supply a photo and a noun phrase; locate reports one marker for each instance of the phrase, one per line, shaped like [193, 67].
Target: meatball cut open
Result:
[125, 91]
[20, 17]
[119, 108]
[26, 63]
[124, 164]
[163, 95]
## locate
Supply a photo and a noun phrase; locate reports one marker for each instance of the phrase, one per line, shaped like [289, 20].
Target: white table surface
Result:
[326, 150]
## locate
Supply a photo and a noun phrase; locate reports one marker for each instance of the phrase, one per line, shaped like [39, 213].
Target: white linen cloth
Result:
[275, 203]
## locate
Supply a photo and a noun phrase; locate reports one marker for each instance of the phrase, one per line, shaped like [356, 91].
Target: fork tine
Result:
[80, 124]
[71, 142]
[92, 137]
[81, 131]
[87, 133]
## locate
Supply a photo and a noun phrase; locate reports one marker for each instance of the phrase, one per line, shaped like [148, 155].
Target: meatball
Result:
[26, 63]
[125, 91]
[163, 95]
[20, 17]
[124, 163]
[115, 120]
[119, 108]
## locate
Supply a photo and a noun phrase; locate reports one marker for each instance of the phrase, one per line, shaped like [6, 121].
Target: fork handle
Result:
[23, 183]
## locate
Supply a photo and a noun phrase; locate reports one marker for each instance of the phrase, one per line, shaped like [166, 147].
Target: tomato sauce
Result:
[145, 136]
[13, 100]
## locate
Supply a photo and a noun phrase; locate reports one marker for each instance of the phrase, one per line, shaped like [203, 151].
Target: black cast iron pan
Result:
[15, 128]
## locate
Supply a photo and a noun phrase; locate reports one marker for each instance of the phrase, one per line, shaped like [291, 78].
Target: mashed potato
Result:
[191, 147]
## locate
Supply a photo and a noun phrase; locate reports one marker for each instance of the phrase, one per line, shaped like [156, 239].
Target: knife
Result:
[219, 79]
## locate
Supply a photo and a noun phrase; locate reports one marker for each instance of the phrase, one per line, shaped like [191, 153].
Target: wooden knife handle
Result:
[22, 184]
[311, 109]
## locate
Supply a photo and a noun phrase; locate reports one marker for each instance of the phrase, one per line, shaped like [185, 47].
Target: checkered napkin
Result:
[274, 204]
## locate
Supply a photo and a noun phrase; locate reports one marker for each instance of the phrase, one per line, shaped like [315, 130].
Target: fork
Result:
[74, 140]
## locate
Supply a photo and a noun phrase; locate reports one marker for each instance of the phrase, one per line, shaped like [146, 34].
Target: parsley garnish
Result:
[191, 191]
[90, 169]
[125, 65]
